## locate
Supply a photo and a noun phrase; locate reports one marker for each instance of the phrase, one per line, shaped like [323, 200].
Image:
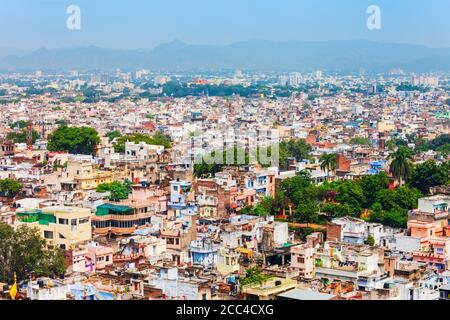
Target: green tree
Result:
[370, 240]
[294, 148]
[295, 185]
[350, 193]
[10, 188]
[360, 141]
[113, 134]
[21, 137]
[23, 251]
[371, 185]
[118, 190]
[21, 124]
[328, 162]
[401, 198]
[428, 174]
[307, 212]
[401, 163]
[254, 276]
[76, 140]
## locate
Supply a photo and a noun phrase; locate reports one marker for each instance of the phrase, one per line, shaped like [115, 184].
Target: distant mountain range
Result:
[344, 56]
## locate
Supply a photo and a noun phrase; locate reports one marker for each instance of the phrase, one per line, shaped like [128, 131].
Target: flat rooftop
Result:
[299, 294]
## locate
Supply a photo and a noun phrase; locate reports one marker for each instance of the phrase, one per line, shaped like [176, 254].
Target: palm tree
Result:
[328, 162]
[401, 165]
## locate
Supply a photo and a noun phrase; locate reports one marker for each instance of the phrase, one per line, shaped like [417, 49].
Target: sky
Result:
[144, 24]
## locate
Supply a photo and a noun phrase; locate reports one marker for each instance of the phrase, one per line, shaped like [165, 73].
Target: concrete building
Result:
[63, 227]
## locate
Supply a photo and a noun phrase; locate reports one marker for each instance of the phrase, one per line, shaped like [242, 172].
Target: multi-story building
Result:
[126, 216]
[63, 227]
[302, 259]
[431, 217]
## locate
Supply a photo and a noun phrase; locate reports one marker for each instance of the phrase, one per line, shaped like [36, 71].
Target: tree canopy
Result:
[24, 251]
[118, 190]
[294, 148]
[113, 134]
[75, 140]
[328, 162]
[401, 163]
[10, 187]
[21, 136]
[428, 174]
[360, 141]
[254, 276]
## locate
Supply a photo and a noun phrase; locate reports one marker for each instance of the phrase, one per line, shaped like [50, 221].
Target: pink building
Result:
[434, 251]
[99, 256]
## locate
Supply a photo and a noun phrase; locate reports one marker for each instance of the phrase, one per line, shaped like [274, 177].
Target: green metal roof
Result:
[109, 208]
[36, 215]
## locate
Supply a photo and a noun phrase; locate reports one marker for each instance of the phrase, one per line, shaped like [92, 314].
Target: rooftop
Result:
[299, 294]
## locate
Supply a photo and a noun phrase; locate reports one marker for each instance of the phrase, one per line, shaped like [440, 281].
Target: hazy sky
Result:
[131, 24]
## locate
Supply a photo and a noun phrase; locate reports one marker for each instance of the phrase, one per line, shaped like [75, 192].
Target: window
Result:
[63, 221]
[48, 234]
[83, 220]
[73, 222]
[301, 260]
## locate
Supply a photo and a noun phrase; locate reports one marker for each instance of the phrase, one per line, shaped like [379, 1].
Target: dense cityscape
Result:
[214, 159]
[224, 185]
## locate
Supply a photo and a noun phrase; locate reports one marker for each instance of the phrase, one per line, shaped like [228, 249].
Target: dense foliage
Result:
[75, 140]
[341, 198]
[429, 174]
[118, 190]
[10, 188]
[294, 148]
[360, 141]
[23, 251]
[254, 276]
[113, 134]
[21, 136]
[401, 165]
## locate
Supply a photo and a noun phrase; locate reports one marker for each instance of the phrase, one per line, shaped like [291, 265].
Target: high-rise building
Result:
[283, 80]
[295, 79]
[420, 80]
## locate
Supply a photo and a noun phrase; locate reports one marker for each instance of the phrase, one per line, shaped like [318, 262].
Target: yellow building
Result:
[86, 176]
[228, 261]
[63, 227]
[269, 289]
